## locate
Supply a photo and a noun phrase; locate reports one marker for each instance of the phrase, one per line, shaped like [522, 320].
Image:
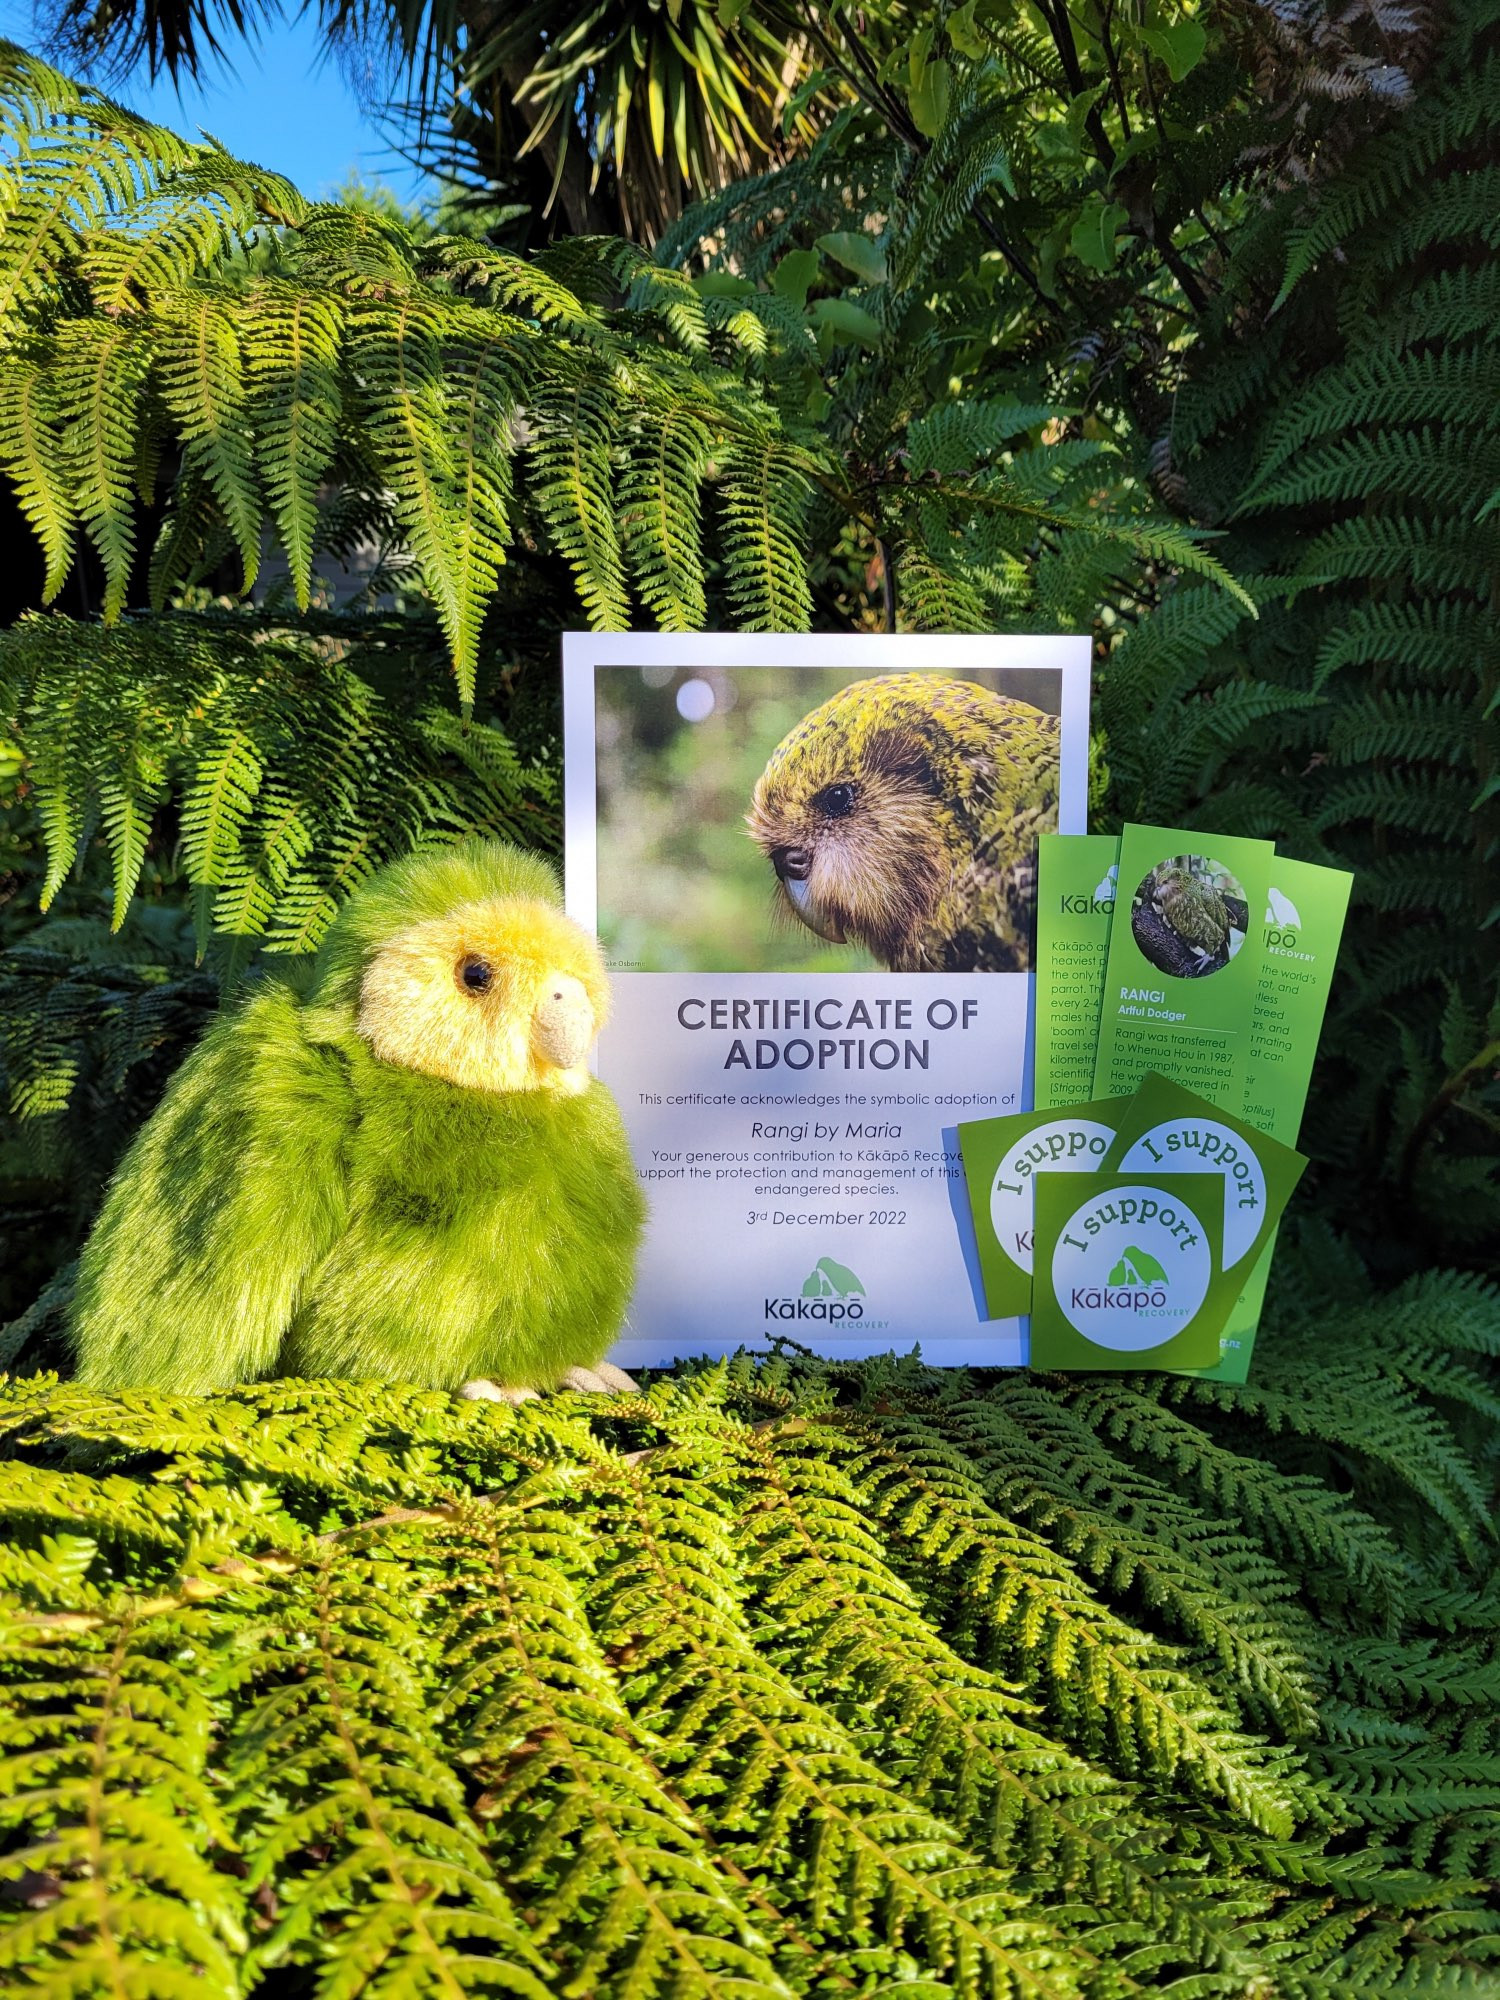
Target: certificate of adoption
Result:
[811, 864]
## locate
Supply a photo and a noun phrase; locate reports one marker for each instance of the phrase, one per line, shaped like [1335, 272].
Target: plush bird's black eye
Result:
[835, 801]
[477, 974]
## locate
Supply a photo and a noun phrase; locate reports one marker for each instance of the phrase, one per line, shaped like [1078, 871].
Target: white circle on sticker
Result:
[1130, 1268]
[1067, 1145]
[1200, 1146]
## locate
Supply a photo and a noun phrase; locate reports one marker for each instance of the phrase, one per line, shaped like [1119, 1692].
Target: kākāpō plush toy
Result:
[398, 1166]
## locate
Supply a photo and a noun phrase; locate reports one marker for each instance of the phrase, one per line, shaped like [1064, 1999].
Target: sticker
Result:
[1165, 1126]
[1129, 1271]
[1179, 1145]
[1002, 1157]
[1132, 1267]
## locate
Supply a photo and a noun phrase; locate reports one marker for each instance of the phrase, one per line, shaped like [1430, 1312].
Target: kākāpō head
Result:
[902, 815]
[462, 965]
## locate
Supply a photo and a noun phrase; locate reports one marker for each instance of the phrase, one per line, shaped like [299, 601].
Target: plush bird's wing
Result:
[229, 1199]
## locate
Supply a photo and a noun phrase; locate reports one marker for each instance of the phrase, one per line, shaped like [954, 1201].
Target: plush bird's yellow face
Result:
[500, 995]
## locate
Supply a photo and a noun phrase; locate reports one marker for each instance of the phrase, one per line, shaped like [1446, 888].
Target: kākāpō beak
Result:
[793, 867]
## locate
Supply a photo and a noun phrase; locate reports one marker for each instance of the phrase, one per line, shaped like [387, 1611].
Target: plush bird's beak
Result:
[563, 1025]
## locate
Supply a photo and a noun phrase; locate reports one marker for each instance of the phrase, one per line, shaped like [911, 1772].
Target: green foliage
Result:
[789, 1679]
[1349, 434]
[364, 357]
[471, 400]
[799, 1679]
[295, 764]
[92, 1023]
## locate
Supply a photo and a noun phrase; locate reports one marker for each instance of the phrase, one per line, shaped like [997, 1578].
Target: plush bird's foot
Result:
[482, 1390]
[602, 1380]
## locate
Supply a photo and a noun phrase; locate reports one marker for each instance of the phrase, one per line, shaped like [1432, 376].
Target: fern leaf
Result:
[660, 496]
[31, 454]
[575, 425]
[104, 1752]
[291, 343]
[448, 500]
[201, 370]
[100, 369]
[763, 496]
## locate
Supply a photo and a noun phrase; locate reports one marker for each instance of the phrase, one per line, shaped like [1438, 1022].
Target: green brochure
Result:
[1184, 961]
[1237, 1341]
[1304, 922]
[1168, 1128]
[1075, 899]
[1001, 1157]
[1129, 1270]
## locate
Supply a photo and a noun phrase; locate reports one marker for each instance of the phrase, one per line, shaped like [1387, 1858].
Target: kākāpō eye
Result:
[476, 974]
[835, 801]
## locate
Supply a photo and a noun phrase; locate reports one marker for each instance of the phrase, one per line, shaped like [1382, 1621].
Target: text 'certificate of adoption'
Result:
[811, 863]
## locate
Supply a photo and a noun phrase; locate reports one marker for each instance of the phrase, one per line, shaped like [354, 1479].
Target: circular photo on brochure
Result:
[1189, 916]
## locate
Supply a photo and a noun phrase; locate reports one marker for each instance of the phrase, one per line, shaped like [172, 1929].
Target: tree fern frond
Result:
[572, 1796]
[197, 212]
[103, 1755]
[678, 1611]
[763, 495]
[1377, 389]
[99, 373]
[291, 342]
[31, 453]
[575, 424]
[661, 500]
[1443, 555]
[384, 1870]
[1045, 1620]
[200, 368]
[1424, 465]
[1391, 165]
[450, 490]
[1423, 638]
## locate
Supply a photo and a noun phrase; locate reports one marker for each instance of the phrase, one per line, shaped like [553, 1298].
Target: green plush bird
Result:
[1194, 909]
[397, 1167]
[903, 815]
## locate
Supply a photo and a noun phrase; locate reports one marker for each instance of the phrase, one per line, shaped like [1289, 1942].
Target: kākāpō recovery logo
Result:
[830, 1292]
[1138, 1267]
[1131, 1267]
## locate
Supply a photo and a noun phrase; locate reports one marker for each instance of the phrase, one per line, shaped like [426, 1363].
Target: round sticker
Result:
[1131, 1268]
[1199, 1146]
[1068, 1145]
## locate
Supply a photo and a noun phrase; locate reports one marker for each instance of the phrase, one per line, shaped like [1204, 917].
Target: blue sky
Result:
[276, 103]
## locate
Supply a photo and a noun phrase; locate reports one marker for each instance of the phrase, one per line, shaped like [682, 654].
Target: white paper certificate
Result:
[811, 864]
